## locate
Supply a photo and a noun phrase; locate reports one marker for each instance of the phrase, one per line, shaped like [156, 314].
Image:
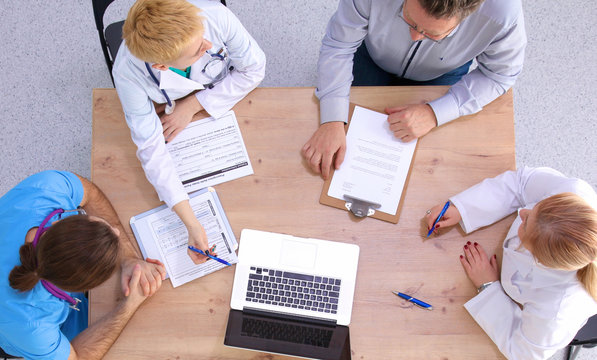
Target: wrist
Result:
[484, 286]
[432, 115]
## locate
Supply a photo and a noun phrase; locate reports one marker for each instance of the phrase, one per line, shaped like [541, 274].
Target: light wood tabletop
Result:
[189, 322]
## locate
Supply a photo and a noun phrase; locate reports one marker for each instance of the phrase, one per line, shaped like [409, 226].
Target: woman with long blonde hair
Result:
[547, 287]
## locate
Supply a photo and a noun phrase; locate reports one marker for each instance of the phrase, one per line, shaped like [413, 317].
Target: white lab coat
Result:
[137, 89]
[534, 310]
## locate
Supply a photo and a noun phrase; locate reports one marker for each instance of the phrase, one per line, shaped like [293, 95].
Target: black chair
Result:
[586, 337]
[111, 37]
[6, 356]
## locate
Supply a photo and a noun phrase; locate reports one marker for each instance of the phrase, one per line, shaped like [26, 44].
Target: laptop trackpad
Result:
[298, 254]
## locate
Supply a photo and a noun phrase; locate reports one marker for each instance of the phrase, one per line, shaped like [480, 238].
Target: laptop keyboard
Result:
[293, 290]
[297, 334]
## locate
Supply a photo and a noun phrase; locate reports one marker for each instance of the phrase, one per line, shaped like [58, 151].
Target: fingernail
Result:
[166, 141]
[494, 256]
[466, 247]
[437, 226]
[468, 242]
[462, 257]
[476, 244]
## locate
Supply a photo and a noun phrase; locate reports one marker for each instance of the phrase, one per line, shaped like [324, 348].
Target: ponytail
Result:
[75, 254]
[588, 277]
[25, 277]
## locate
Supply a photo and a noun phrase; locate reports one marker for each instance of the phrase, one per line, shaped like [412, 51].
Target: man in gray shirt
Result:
[414, 42]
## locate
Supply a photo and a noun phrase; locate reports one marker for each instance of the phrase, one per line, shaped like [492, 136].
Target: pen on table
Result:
[439, 218]
[417, 302]
[209, 255]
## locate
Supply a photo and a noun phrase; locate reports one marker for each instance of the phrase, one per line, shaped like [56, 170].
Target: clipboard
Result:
[149, 247]
[361, 208]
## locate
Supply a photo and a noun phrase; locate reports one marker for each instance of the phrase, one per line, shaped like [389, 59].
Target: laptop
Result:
[292, 296]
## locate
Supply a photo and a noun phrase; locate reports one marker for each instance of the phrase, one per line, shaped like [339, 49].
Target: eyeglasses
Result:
[435, 38]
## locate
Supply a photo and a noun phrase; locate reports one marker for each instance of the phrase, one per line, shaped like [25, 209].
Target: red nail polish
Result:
[476, 244]
[468, 242]
[462, 257]
[495, 256]
[466, 247]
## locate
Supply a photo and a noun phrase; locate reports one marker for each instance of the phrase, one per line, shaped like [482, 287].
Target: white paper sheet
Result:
[209, 152]
[376, 164]
[162, 235]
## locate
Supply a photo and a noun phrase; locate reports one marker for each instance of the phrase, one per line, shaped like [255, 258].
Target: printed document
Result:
[162, 235]
[376, 164]
[209, 152]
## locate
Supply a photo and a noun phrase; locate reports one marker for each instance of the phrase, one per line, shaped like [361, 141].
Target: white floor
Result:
[51, 59]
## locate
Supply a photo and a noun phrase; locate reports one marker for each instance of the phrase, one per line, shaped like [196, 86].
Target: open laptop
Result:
[292, 296]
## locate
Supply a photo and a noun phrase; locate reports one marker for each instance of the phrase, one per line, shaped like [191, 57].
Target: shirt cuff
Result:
[476, 304]
[464, 223]
[445, 108]
[213, 111]
[172, 198]
[333, 109]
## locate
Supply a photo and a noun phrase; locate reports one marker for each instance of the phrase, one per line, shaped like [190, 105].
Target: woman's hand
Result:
[479, 268]
[450, 218]
[184, 110]
[198, 239]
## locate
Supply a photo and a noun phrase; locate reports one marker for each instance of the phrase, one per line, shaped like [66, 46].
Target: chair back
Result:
[587, 334]
[99, 9]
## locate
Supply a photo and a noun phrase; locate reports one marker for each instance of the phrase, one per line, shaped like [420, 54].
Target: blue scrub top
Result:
[30, 322]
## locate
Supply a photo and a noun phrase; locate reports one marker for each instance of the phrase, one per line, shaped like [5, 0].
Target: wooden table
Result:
[282, 196]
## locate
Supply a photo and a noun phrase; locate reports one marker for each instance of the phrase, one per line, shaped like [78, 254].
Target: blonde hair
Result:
[157, 31]
[565, 237]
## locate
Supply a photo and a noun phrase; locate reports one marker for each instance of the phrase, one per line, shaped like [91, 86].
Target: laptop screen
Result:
[267, 332]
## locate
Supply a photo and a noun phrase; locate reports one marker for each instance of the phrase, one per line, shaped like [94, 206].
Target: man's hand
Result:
[411, 121]
[151, 274]
[478, 267]
[184, 110]
[327, 141]
[198, 239]
[136, 295]
[450, 218]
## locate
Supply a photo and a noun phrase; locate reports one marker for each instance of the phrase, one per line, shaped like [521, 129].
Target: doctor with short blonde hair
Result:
[547, 288]
[190, 56]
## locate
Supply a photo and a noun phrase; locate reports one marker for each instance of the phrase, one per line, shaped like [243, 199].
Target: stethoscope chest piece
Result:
[170, 108]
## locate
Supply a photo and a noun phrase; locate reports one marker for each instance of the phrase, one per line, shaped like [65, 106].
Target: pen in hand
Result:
[439, 217]
[209, 255]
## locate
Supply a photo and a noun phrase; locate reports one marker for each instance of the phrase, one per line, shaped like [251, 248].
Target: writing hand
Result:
[451, 217]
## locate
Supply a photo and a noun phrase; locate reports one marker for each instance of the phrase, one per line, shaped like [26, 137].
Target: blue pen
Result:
[209, 256]
[439, 217]
[417, 302]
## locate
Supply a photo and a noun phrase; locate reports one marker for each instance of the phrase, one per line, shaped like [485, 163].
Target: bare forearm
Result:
[97, 204]
[185, 213]
[95, 341]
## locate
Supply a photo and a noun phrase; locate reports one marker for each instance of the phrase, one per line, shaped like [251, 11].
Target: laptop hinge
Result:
[285, 316]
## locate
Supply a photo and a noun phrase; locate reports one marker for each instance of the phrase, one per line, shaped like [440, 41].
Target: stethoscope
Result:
[53, 289]
[216, 59]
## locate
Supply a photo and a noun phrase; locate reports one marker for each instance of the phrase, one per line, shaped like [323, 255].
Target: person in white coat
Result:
[190, 56]
[547, 288]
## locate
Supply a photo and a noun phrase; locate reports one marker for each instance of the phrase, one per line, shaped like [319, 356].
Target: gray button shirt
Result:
[494, 35]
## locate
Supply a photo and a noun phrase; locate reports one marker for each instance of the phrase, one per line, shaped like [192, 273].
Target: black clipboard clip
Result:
[359, 207]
